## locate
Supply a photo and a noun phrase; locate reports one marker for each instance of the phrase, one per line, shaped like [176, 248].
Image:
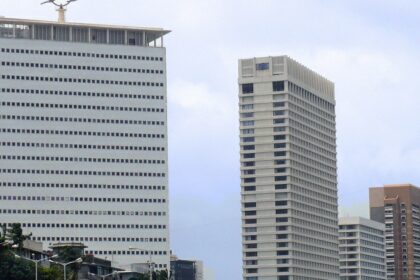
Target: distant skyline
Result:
[369, 49]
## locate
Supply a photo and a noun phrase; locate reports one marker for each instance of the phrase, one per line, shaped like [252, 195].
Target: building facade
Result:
[362, 249]
[398, 207]
[83, 136]
[186, 269]
[288, 171]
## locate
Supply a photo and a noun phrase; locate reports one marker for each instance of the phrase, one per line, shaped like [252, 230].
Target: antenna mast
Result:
[61, 9]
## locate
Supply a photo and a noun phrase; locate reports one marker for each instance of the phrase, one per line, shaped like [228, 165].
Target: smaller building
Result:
[33, 250]
[186, 269]
[362, 249]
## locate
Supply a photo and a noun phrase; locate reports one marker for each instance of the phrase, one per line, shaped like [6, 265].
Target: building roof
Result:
[361, 221]
[5, 20]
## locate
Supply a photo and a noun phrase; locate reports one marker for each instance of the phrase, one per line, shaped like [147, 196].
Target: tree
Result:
[12, 268]
[15, 234]
[2, 233]
[51, 273]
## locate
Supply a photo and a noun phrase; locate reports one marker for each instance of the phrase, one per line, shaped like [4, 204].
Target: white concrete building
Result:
[83, 136]
[288, 171]
[362, 249]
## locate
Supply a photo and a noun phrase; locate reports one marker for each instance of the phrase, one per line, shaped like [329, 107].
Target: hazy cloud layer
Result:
[368, 48]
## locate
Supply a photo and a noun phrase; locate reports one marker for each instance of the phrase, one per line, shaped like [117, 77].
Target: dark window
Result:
[249, 180]
[252, 270]
[282, 253]
[278, 104]
[262, 66]
[279, 154]
[247, 88]
[249, 155]
[280, 178]
[249, 188]
[282, 269]
[278, 86]
[281, 203]
[250, 213]
[250, 204]
[250, 221]
[248, 139]
[249, 147]
[281, 187]
[279, 137]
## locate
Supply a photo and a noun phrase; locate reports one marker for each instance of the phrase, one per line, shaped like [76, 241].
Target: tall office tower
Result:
[83, 141]
[362, 249]
[288, 171]
[398, 207]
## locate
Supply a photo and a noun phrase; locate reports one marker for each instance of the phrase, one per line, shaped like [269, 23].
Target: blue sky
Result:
[368, 48]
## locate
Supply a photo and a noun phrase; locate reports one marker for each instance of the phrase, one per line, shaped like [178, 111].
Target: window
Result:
[247, 88]
[249, 155]
[247, 106]
[250, 204]
[281, 187]
[247, 123]
[278, 86]
[248, 131]
[281, 203]
[249, 147]
[249, 180]
[248, 139]
[250, 221]
[262, 66]
[278, 104]
[247, 115]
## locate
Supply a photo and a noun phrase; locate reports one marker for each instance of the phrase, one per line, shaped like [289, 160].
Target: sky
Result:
[369, 49]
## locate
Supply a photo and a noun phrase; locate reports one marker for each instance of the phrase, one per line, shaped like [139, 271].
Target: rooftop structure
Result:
[81, 32]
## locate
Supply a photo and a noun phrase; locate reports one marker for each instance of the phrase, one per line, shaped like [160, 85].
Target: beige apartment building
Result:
[398, 207]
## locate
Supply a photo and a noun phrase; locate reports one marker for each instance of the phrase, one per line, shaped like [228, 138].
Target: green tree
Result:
[51, 273]
[2, 233]
[144, 276]
[16, 235]
[12, 268]
[69, 254]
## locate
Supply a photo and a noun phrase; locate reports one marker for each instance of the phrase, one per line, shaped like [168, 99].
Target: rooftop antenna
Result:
[61, 9]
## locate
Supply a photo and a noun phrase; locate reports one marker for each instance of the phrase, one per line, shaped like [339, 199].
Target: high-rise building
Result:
[83, 136]
[288, 171]
[362, 249]
[398, 207]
